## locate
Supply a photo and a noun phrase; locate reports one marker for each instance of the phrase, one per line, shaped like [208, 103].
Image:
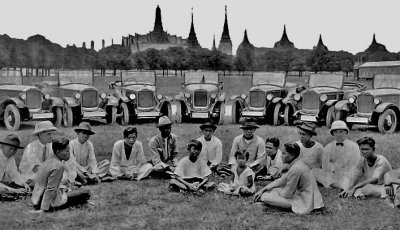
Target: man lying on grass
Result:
[368, 176]
[47, 194]
[242, 178]
[191, 173]
[296, 189]
[128, 160]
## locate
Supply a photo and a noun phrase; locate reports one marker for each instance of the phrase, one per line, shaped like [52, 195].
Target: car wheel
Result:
[178, 116]
[235, 112]
[341, 115]
[169, 111]
[221, 114]
[68, 116]
[330, 117]
[58, 117]
[125, 114]
[387, 122]
[12, 117]
[288, 114]
[277, 114]
[111, 117]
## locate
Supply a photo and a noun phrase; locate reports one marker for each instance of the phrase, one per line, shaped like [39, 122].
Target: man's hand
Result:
[389, 190]
[258, 195]
[26, 186]
[192, 187]
[346, 193]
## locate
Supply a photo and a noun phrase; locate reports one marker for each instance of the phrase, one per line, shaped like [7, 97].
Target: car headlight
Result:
[187, 95]
[213, 95]
[159, 96]
[132, 96]
[22, 96]
[243, 96]
[47, 96]
[297, 97]
[77, 95]
[377, 101]
[103, 95]
[323, 97]
[352, 100]
[270, 97]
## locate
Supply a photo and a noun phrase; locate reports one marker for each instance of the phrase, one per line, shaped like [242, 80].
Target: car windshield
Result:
[138, 77]
[386, 81]
[10, 77]
[265, 78]
[201, 77]
[327, 80]
[75, 77]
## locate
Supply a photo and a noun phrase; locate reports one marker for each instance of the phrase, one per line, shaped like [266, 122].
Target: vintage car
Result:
[378, 106]
[292, 104]
[81, 99]
[138, 97]
[24, 102]
[319, 99]
[201, 97]
[264, 100]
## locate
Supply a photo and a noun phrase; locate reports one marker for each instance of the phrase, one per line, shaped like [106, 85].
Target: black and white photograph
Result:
[189, 114]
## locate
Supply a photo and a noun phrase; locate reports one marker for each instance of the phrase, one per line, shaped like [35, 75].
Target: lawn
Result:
[148, 204]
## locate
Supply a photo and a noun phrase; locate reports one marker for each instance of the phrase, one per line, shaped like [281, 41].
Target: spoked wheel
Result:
[12, 117]
[221, 114]
[277, 114]
[178, 116]
[288, 114]
[111, 115]
[387, 122]
[330, 117]
[58, 117]
[125, 114]
[235, 112]
[67, 116]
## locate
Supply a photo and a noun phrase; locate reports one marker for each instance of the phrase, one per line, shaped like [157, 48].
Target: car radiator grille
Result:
[365, 103]
[89, 98]
[310, 101]
[145, 99]
[33, 99]
[257, 99]
[200, 98]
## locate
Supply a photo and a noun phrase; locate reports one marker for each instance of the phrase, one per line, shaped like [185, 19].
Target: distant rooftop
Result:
[380, 64]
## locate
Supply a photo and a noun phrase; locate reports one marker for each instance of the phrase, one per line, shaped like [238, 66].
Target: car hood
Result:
[207, 87]
[17, 87]
[321, 90]
[265, 88]
[77, 87]
[380, 92]
[140, 87]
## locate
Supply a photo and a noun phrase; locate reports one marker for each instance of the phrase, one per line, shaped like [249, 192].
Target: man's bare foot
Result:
[389, 202]
[36, 211]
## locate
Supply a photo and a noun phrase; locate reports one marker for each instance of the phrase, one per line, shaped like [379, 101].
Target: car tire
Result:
[383, 122]
[12, 117]
[125, 114]
[178, 116]
[330, 117]
[277, 114]
[235, 112]
[288, 114]
[58, 117]
[68, 116]
[221, 114]
[169, 111]
[111, 117]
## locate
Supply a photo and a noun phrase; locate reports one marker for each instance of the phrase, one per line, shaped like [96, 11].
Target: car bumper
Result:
[148, 114]
[311, 118]
[94, 114]
[358, 120]
[42, 115]
[200, 115]
[252, 114]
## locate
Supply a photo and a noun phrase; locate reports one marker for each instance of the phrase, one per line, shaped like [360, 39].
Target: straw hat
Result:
[338, 125]
[250, 124]
[208, 124]
[43, 126]
[308, 127]
[164, 121]
[11, 140]
[85, 128]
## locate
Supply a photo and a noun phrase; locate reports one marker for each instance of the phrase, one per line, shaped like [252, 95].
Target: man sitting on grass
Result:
[191, 173]
[11, 185]
[128, 160]
[392, 188]
[368, 178]
[211, 151]
[311, 150]
[47, 194]
[296, 189]
[272, 165]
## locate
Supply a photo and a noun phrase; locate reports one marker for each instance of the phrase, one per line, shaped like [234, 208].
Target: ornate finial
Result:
[226, 9]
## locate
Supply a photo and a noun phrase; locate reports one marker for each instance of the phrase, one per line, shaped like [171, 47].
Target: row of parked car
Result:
[326, 98]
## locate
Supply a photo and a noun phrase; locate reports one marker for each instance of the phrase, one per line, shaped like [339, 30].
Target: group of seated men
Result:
[55, 167]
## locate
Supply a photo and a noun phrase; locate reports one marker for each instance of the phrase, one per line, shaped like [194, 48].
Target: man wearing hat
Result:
[211, 151]
[163, 147]
[339, 159]
[37, 151]
[310, 151]
[9, 174]
[83, 158]
[249, 142]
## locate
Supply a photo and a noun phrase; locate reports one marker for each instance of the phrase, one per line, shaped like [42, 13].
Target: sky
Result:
[344, 24]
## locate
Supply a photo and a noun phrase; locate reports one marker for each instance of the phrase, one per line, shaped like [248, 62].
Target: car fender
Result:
[16, 101]
[179, 97]
[330, 102]
[124, 99]
[234, 97]
[162, 103]
[276, 100]
[56, 102]
[342, 105]
[71, 102]
[381, 107]
[112, 101]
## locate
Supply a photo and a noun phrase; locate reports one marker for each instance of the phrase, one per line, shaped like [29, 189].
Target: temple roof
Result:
[321, 45]
[375, 46]
[225, 32]
[214, 47]
[158, 22]
[284, 42]
[192, 39]
[246, 42]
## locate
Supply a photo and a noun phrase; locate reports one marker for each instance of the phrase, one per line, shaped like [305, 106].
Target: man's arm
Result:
[155, 150]
[235, 145]
[92, 162]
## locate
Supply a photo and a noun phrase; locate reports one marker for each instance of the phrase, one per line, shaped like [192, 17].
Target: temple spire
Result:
[375, 46]
[245, 38]
[158, 22]
[225, 32]
[214, 47]
[321, 44]
[225, 45]
[284, 42]
[373, 39]
[192, 39]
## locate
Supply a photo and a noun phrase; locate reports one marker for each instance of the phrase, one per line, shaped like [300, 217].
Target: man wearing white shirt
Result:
[211, 151]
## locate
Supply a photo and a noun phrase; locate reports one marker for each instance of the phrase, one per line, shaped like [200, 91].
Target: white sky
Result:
[344, 24]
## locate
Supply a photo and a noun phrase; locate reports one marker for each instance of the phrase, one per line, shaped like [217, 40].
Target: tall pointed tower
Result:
[375, 46]
[213, 46]
[320, 45]
[284, 42]
[158, 35]
[225, 45]
[192, 39]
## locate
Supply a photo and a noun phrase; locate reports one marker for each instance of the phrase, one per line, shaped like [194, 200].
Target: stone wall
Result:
[370, 72]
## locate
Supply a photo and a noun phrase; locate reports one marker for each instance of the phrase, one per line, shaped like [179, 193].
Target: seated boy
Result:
[392, 188]
[192, 173]
[47, 193]
[128, 160]
[272, 164]
[242, 177]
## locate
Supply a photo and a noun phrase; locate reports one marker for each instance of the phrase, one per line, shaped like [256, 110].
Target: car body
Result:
[202, 97]
[138, 97]
[264, 100]
[20, 102]
[378, 106]
[319, 99]
[81, 99]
